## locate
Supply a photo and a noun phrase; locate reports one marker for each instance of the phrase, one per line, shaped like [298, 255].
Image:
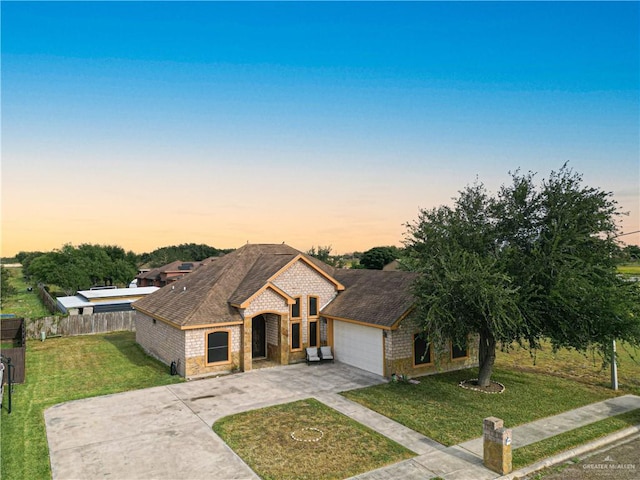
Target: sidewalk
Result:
[464, 461]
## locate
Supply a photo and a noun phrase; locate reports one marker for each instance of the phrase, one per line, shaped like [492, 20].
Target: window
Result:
[218, 347]
[313, 333]
[458, 351]
[421, 350]
[313, 306]
[295, 309]
[296, 340]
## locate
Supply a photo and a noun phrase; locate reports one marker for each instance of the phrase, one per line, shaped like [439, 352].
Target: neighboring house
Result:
[101, 300]
[161, 276]
[392, 266]
[272, 301]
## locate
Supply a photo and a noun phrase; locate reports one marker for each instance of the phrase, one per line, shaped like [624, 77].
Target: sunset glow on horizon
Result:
[147, 124]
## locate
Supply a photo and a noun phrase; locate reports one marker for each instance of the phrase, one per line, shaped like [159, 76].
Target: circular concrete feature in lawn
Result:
[307, 434]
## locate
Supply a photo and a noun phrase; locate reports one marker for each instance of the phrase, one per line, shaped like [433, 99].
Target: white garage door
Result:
[358, 346]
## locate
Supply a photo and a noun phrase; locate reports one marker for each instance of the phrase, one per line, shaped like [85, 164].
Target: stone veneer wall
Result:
[195, 342]
[161, 341]
[267, 302]
[272, 321]
[323, 332]
[399, 353]
[300, 280]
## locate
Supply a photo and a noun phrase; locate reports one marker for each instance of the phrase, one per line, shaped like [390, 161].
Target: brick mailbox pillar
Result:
[497, 446]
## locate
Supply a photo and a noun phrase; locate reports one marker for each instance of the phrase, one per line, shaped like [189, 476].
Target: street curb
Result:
[573, 453]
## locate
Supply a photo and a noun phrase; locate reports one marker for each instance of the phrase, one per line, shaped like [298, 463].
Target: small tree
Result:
[321, 253]
[6, 288]
[631, 253]
[377, 257]
[530, 262]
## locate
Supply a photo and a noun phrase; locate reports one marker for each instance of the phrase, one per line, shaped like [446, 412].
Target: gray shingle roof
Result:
[372, 296]
[174, 266]
[261, 271]
[206, 295]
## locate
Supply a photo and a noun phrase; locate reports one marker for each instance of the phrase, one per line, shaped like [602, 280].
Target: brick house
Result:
[166, 274]
[272, 301]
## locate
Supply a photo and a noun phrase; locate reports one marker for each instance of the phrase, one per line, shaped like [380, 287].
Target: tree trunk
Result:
[486, 358]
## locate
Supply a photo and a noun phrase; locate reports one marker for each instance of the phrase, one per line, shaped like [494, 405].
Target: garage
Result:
[359, 346]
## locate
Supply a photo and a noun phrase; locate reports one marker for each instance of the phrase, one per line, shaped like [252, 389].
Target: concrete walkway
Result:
[464, 461]
[165, 432]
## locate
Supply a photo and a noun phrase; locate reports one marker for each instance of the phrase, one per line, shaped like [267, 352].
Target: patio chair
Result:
[325, 353]
[312, 355]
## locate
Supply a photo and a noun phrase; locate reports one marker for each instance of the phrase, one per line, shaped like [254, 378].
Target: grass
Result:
[63, 369]
[441, 410]
[631, 269]
[532, 453]
[23, 303]
[584, 368]
[263, 439]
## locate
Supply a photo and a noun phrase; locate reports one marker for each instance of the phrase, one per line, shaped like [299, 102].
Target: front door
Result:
[258, 335]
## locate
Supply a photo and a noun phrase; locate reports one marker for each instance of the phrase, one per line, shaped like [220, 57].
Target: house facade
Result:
[171, 272]
[271, 302]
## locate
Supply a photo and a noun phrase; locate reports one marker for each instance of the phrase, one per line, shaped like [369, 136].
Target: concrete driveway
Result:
[165, 432]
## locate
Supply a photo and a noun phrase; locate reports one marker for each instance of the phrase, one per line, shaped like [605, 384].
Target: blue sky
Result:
[152, 123]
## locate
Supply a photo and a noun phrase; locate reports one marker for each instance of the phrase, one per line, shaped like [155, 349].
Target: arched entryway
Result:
[258, 337]
[268, 339]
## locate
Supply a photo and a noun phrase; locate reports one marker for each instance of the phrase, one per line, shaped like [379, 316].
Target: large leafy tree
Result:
[75, 268]
[188, 252]
[533, 261]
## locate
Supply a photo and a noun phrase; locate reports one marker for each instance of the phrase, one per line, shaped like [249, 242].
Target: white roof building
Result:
[103, 300]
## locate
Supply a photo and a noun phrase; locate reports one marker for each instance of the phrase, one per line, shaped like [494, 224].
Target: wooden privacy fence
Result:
[81, 324]
[48, 301]
[12, 337]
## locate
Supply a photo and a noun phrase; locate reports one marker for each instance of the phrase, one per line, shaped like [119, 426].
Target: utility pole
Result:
[614, 367]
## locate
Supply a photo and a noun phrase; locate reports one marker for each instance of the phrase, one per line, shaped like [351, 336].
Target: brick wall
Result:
[195, 342]
[399, 355]
[267, 301]
[272, 328]
[302, 280]
[161, 341]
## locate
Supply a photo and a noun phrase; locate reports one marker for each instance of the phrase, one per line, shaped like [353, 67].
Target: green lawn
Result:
[63, 369]
[23, 303]
[263, 439]
[440, 409]
[532, 453]
[631, 269]
[585, 368]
